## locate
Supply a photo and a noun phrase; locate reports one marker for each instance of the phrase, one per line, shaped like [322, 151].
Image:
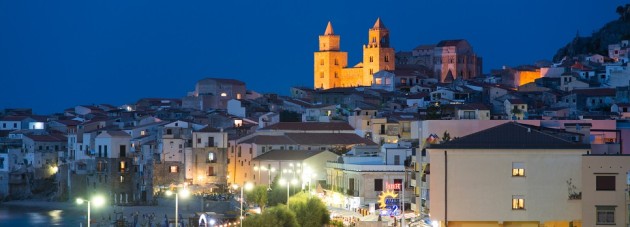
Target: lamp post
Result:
[184, 192]
[247, 186]
[288, 183]
[98, 200]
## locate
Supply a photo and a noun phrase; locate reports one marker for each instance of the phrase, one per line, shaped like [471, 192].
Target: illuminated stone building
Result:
[331, 64]
[454, 59]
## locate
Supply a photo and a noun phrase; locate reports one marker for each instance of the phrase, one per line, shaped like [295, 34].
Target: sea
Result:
[12, 215]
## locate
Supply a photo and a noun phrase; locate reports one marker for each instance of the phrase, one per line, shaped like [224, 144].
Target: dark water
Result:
[14, 216]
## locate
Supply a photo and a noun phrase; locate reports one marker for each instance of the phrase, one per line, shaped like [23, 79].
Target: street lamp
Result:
[248, 186]
[98, 201]
[183, 192]
[283, 181]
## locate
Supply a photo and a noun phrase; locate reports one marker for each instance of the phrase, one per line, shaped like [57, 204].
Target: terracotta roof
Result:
[596, 92]
[13, 118]
[48, 138]
[328, 138]
[225, 81]
[329, 29]
[209, 129]
[267, 139]
[379, 24]
[474, 106]
[310, 139]
[516, 101]
[453, 42]
[288, 155]
[309, 126]
[68, 122]
[511, 135]
[118, 133]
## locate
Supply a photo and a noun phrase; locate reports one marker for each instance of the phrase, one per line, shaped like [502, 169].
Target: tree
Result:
[446, 137]
[310, 211]
[259, 196]
[278, 216]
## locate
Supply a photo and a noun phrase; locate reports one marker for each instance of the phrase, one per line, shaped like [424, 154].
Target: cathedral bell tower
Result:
[329, 60]
[377, 55]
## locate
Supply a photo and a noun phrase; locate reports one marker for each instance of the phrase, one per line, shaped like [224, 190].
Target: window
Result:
[210, 171]
[336, 62]
[321, 62]
[264, 150]
[605, 215]
[518, 202]
[469, 115]
[14, 125]
[371, 59]
[378, 185]
[250, 150]
[386, 58]
[198, 140]
[1, 163]
[211, 157]
[371, 71]
[174, 169]
[321, 75]
[605, 183]
[398, 182]
[122, 166]
[239, 151]
[169, 131]
[518, 169]
[336, 76]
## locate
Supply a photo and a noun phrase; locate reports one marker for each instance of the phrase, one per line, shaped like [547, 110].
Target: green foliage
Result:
[278, 193]
[446, 137]
[310, 211]
[278, 216]
[336, 223]
[290, 116]
[258, 195]
[434, 112]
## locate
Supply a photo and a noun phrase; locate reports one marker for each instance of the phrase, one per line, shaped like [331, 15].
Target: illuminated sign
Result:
[387, 199]
[393, 186]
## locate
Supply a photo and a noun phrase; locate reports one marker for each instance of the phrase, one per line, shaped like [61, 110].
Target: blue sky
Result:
[57, 54]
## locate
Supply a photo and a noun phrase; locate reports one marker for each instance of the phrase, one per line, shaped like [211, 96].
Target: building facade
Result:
[331, 64]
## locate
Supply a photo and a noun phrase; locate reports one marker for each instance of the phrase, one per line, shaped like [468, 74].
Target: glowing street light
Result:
[283, 181]
[184, 193]
[98, 201]
[248, 186]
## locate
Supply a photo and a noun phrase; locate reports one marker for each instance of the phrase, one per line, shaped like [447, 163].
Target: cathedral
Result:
[331, 64]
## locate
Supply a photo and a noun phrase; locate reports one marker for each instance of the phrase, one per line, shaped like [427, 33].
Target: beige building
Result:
[605, 195]
[508, 175]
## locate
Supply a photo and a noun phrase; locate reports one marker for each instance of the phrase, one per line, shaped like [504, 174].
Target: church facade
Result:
[331, 64]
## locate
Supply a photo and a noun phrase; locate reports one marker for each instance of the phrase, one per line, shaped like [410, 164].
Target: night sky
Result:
[58, 54]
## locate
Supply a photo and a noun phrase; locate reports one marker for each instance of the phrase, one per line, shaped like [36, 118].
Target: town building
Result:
[331, 64]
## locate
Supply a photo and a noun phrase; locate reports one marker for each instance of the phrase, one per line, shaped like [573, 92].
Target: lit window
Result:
[518, 169]
[174, 169]
[223, 94]
[211, 157]
[605, 215]
[238, 96]
[518, 202]
[122, 166]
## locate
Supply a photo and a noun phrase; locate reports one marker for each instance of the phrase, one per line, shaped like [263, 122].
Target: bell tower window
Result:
[386, 58]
